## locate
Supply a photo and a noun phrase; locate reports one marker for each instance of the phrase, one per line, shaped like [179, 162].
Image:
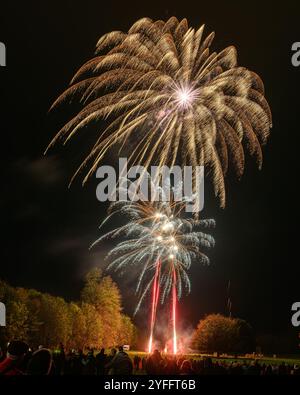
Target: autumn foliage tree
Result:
[104, 295]
[17, 313]
[96, 320]
[128, 332]
[217, 333]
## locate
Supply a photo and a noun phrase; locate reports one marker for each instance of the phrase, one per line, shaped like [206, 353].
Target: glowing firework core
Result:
[159, 215]
[168, 226]
[184, 97]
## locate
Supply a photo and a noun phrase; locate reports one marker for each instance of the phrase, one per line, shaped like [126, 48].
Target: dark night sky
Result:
[47, 228]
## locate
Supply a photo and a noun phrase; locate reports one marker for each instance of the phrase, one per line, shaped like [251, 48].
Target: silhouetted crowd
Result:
[19, 359]
[157, 364]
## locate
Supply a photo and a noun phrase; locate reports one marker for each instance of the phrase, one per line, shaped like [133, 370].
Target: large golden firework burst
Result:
[160, 90]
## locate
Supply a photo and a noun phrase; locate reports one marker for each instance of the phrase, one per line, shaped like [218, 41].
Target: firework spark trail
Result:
[174, 302]
[155, 296]
[157, 290]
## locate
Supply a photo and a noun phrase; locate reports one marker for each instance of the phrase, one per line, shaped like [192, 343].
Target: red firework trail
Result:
[174, 312]
[155, 295]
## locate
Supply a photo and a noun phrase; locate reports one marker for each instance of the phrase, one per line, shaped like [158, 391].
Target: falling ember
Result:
[174, 313]
[155, 296]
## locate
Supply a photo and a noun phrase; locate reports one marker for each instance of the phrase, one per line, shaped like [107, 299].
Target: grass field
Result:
[291, 360]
